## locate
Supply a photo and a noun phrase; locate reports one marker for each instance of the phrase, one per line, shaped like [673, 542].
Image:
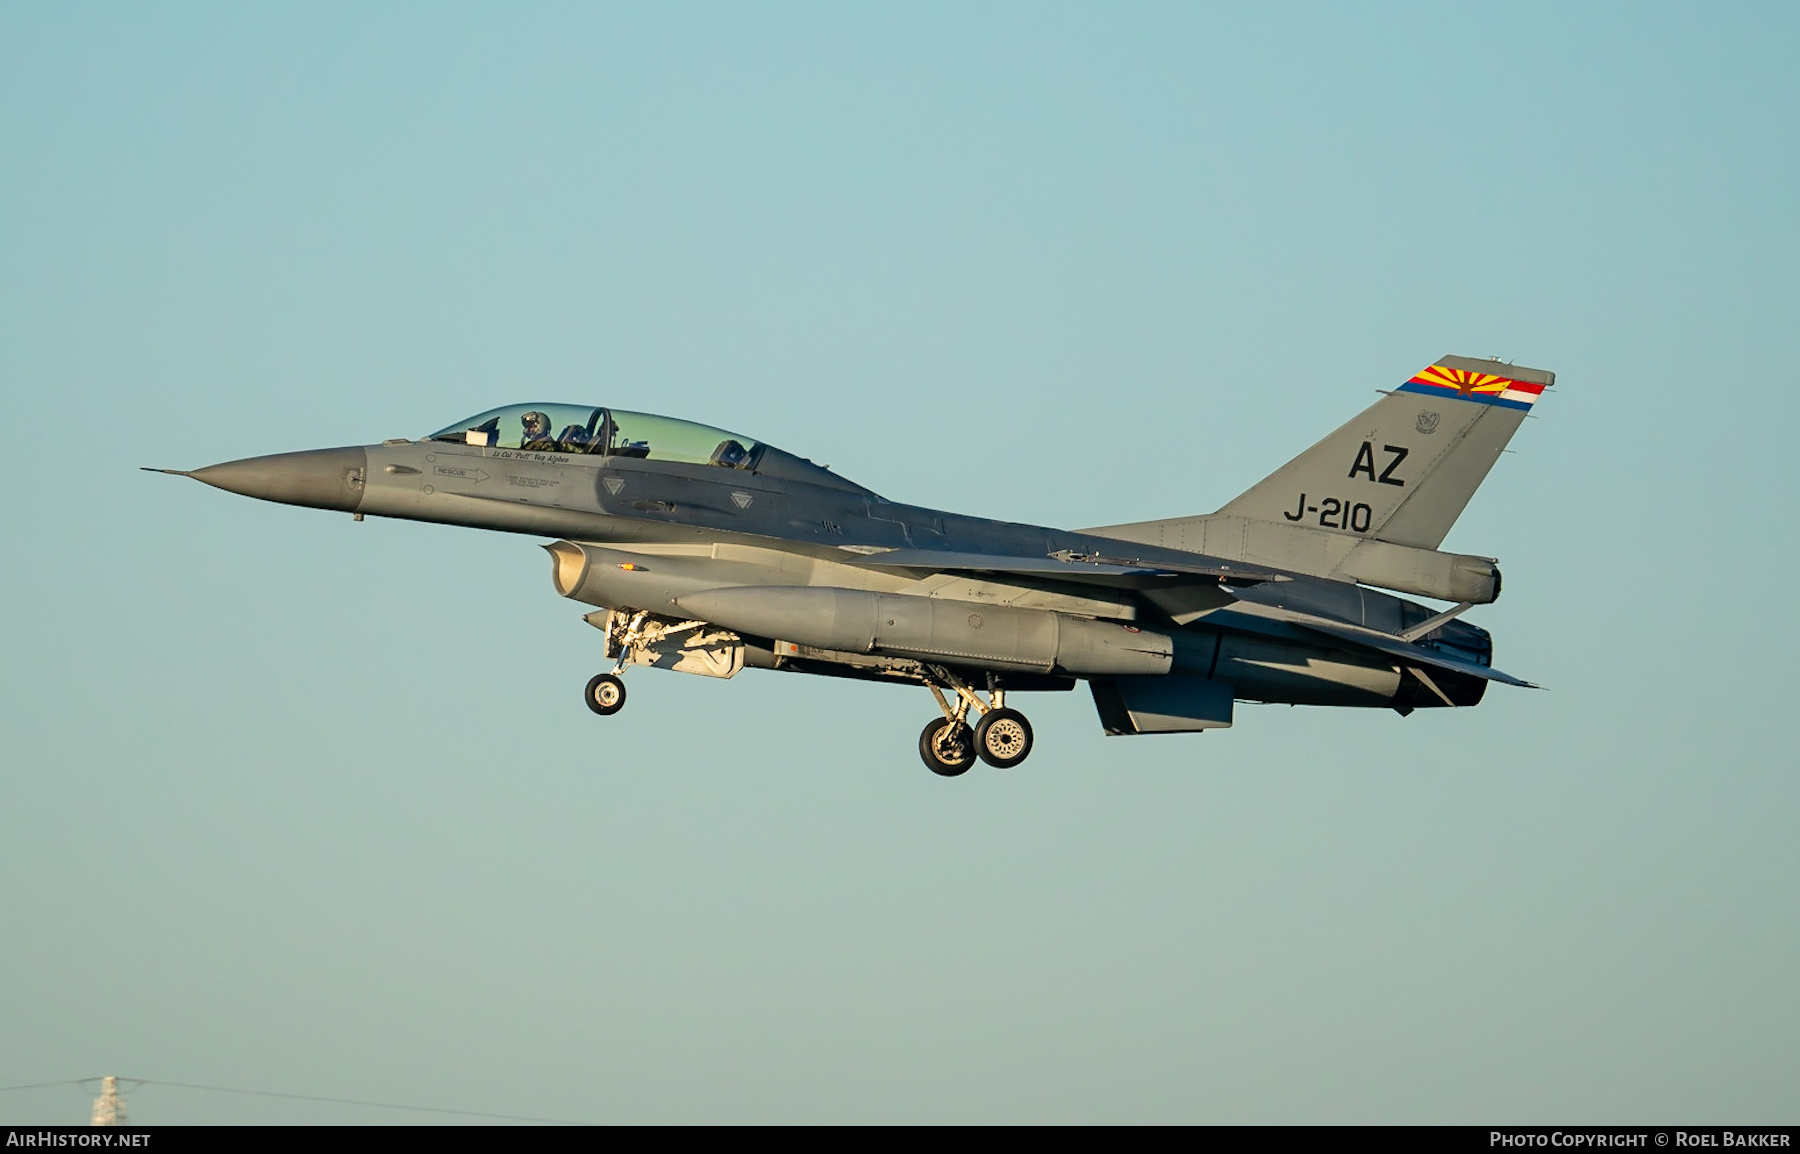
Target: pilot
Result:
[538, 436]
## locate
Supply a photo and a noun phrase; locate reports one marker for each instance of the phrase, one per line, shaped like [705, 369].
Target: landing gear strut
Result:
[1002, 736]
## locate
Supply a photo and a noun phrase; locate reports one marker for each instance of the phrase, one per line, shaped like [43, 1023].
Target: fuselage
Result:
[789, 522]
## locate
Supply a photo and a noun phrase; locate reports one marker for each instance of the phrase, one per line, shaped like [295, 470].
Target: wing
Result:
[1087, 568]
[1127, 573]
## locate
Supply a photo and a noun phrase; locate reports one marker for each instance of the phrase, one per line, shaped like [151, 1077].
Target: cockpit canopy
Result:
[546, 428]
[600, 432]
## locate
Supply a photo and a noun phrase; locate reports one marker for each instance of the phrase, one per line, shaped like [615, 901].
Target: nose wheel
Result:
[605, 694]
[1002, 736]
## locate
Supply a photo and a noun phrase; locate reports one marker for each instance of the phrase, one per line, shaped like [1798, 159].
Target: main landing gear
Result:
[949, 747]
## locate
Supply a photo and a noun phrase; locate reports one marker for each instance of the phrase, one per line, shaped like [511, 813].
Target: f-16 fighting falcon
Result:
[709, 552]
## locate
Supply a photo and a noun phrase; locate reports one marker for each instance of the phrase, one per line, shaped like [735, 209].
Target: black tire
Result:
[1003, 738]
[947, 755]
[605, 694]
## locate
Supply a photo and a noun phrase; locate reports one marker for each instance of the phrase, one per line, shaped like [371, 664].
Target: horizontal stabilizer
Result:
[1254, 616]
[1409, 654]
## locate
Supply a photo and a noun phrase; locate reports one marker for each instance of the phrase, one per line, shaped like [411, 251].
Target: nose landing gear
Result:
[948, 747]
[605, 693]
[631, 635]
[626, 633]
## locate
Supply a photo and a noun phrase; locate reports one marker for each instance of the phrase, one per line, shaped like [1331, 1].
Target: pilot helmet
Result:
[536, 422]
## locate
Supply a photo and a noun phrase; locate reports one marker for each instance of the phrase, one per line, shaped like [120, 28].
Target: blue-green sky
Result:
[299, 804]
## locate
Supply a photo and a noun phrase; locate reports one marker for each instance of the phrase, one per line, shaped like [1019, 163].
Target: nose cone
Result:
[319, 478]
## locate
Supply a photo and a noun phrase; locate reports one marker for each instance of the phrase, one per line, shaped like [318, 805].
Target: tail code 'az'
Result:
[1365, 463]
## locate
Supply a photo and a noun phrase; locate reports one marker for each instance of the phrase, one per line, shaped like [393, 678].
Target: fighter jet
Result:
[707, 552]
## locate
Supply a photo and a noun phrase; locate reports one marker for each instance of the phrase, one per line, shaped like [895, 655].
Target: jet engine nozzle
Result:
[317, 478]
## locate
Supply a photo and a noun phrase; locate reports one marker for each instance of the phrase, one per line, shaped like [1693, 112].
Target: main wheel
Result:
[946, 749]
[605, 694]
[1003, 738]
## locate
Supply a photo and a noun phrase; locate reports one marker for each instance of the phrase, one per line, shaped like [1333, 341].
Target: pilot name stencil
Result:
[527, 455]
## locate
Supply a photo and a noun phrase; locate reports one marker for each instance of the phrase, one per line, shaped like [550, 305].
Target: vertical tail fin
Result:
[1403, 470]
[1372, 502]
